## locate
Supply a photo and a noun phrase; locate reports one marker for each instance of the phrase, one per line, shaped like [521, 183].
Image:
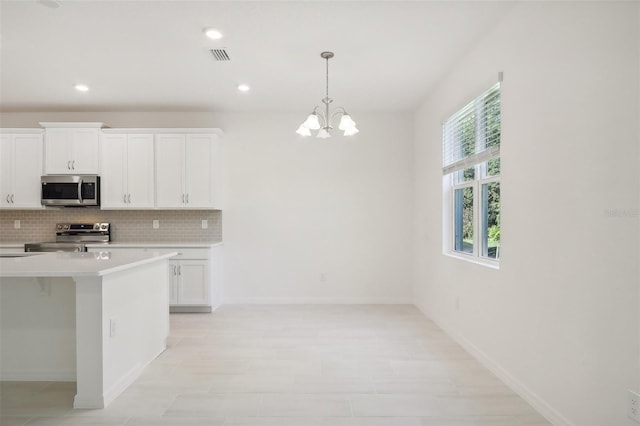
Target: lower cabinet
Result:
[189, 283]
[195, 275]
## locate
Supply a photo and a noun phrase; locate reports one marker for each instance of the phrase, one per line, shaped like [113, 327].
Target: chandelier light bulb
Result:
[312, 122]
[352, 131]
[346, 122]
[323, 133]
[303, 130]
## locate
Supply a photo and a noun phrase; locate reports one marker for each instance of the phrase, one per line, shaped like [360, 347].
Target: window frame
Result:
[481, 177]
[478, 228]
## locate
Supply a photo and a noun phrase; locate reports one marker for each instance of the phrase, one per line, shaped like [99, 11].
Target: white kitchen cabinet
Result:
[127, 171]
[187, 171]
[72, 148]
[20, 170]
[189, 283]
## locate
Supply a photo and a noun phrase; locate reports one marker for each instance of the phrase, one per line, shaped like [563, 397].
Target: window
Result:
[471, 173]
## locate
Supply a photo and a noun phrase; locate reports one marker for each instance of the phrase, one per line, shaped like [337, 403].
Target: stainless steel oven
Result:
[70, 190]
[74, 237]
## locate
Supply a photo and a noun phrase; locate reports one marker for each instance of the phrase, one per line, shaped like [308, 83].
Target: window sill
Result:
[492, 264]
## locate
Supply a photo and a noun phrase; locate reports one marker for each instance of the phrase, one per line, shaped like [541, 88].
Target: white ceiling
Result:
[153, 55]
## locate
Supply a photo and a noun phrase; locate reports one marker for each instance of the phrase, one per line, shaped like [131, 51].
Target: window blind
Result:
[472, 135]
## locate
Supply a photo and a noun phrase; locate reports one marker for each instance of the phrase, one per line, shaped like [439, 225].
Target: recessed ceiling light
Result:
[82, 87]
[244, 87]
[212, 33]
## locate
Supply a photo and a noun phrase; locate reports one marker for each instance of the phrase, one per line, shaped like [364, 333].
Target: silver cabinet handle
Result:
[129, 199]
[175, 270]
[179, 269]
[73, 165]
[69, 165]
[182, 198]
[187, 198]
[11, 198]
[8, 195]
[124, 198]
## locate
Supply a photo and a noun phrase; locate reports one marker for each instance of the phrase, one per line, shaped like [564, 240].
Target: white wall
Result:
[300, 210]
[318, 221]
[560, 320]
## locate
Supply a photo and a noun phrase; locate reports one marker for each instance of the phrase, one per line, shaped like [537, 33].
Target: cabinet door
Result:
[57, 157]
[27, 159]
[169, 171]
[198, 177]
[140, 171]
[113, 188]
[217, 200]
[6, 170]
[84, 151]
[193, 288]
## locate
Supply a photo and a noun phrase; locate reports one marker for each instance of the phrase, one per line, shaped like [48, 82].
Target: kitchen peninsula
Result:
[94, 318]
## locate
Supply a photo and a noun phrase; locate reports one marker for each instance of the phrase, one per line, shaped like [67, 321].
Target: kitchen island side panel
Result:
[124, 320]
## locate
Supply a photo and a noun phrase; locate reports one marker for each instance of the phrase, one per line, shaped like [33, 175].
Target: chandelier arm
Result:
[321, 116]
[338, 111]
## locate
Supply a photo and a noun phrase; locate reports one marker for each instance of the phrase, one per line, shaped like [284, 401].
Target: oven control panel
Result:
[83, 227]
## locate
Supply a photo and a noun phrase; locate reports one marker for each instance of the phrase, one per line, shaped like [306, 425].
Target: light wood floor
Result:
[302, 365]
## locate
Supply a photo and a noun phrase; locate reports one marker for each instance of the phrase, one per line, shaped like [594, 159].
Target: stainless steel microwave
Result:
[70, 190]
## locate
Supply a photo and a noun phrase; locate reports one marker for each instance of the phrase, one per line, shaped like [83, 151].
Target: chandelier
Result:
[321, 119]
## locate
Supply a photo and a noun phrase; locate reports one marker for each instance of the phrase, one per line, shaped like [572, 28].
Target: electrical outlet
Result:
[205, 223]
[16, 224]
[634, 406]
[156, 224]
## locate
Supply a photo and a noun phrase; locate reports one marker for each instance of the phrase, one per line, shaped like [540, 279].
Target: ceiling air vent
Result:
[220, 55]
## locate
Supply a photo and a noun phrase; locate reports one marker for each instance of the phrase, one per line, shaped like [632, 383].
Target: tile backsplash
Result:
[127, 226]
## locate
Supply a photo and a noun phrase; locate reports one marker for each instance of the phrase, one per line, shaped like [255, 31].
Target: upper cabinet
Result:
[152, 168]
[127, 171]
[187, 171]
[20, 168]
[72, 148]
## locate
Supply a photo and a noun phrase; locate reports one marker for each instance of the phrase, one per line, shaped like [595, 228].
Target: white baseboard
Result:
[546, 410]
[81, 401]
[38, 375]
[118, 387]
[87, 403]
[316, 301]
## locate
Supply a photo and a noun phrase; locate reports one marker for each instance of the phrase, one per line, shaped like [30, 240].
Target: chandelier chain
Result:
[327, 59]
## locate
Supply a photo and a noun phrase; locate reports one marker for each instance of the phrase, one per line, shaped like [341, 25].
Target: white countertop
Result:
[142, 244]
[75, 264]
